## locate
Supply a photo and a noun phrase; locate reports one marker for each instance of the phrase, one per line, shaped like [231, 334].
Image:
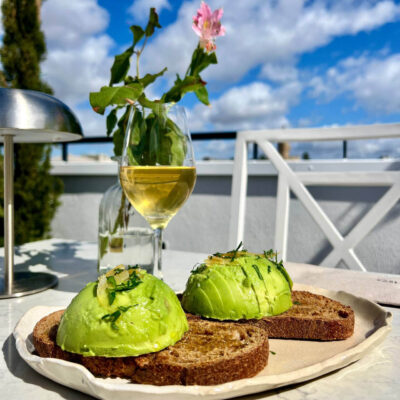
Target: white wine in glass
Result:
[157, 170]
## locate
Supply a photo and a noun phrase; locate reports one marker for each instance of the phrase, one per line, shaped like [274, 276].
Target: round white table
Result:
[373, 377]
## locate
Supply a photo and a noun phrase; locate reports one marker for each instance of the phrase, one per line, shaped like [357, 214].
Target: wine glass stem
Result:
[157, 253]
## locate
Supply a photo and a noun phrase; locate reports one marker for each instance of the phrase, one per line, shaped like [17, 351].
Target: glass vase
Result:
[120, 239]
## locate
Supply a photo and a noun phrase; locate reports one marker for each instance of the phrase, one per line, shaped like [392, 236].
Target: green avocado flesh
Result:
[150, 318]
[248, 286]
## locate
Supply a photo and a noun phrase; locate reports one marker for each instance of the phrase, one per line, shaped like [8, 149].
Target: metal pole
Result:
[64, 151]
[8, 213]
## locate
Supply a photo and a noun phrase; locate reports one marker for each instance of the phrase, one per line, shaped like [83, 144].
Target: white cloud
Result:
[78, 58]
[67, 23]
[279, 72]
[355, 149]
[214, 149]
[252, 106]
[140, 8]
[259, 33]
[374, 148]
[92, 123]
[371, 81]
[173, 46]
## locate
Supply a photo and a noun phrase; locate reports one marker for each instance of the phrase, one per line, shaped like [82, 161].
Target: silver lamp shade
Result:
[27, 116]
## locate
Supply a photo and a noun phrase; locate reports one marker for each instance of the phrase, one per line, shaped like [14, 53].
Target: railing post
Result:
[64, 151]
[255, 151]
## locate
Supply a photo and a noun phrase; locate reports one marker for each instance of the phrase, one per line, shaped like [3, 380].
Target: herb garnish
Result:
[269, 254]
[115, 315]
[131, 283]
[297, 303]
[283, 271]
[112, 287]
[272, 352]
[198, 269]
[273, 257]
[118, 271]
[111, 280]
[236, 250]
[258, 272]
[111, 296]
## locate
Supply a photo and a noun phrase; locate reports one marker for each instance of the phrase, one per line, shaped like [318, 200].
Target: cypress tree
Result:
[36, 192]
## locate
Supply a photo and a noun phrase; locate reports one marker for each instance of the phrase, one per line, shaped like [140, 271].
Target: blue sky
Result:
[281, 63]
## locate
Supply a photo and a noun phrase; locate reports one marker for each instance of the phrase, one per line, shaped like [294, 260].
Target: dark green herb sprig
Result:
[115, 315]
[198, 269]
[236, 250]
[269, 254]
[258, 272]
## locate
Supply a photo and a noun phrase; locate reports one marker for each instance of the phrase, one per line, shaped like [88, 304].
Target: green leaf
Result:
[119, 134]
[201, 60]
[114, 96]
[121, 66]
[111, 121]
[202, 95]
[153, 22]
[137, 125]
[189, 84]
[118, 140]
[150, 78]
[178, 146]
[154, 136]
[153, 105]
[138, 33]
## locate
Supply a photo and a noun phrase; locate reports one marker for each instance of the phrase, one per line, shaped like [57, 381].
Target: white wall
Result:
[202, 225]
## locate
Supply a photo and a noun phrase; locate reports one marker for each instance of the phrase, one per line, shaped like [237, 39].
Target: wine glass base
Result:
[26, 283]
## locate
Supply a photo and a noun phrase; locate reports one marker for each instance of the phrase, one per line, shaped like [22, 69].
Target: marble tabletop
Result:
[373, 377]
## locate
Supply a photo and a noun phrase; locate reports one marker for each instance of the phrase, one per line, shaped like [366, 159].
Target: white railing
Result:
[343, 247]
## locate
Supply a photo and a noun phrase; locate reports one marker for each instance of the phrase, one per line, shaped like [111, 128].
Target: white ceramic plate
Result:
[294, 361]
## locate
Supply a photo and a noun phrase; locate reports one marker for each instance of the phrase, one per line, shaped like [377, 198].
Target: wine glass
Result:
[157, 168]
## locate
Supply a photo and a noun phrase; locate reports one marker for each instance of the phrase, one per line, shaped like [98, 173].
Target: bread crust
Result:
[312, 317]
[198, 359]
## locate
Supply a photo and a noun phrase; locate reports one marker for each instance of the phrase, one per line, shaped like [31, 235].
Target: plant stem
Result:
[157, 272]
[138, 54]
[122, 218]
[137, 64]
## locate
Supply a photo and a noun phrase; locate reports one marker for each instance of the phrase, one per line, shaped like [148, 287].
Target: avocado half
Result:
[125, 313]
[238, 285]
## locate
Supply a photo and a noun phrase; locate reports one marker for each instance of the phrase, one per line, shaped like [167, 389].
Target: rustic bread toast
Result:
[312, 317]
[210, 353]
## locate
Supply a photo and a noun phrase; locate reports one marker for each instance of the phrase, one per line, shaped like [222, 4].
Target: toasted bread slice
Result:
[210, 353]
[312, 316]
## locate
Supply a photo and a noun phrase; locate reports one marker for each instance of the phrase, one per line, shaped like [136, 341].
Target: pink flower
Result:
[206, 24]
